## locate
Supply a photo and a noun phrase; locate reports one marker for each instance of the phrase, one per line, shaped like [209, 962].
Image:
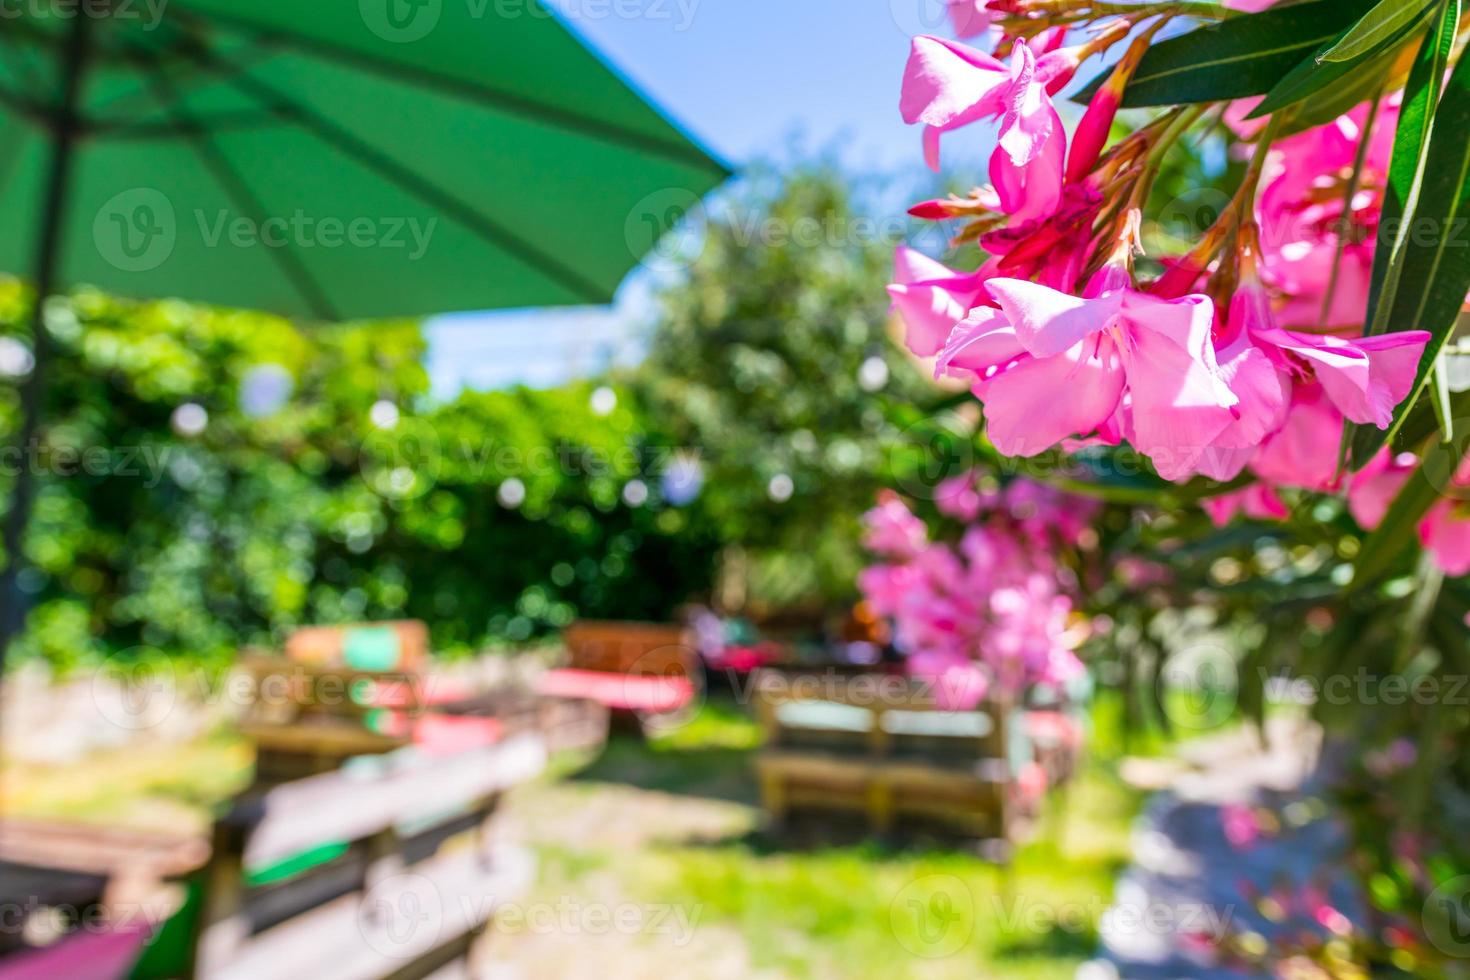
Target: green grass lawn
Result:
[852, 909]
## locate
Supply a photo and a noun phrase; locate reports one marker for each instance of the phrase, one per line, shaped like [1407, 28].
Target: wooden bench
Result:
[880, 745]
[314, 727]
[640, 671]
[345, 691]
[87, 895]
[385, 869]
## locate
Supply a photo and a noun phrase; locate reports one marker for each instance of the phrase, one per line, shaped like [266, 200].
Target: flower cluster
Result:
[1245, 356]
[986, 612]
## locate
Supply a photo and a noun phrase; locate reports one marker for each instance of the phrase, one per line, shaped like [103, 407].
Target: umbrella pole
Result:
[64, 125]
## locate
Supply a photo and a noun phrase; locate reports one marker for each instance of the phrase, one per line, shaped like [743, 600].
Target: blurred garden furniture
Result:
[101, 952]
[1054, 721]
[385, 868]
[732, 648]
[356, 690]
[87, 895]
[639, 671]
[59, 924]
[366, 689]
[879, 744]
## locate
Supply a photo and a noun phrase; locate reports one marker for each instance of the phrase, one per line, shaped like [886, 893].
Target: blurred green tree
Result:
[774, 355]
[214, 478]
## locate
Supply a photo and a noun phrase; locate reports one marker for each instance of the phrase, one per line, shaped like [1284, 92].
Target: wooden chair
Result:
[384, 870]
[880, 745]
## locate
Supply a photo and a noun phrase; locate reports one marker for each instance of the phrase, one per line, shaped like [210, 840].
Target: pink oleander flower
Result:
[1445, 533]
[986, 611]
[1110, 343]
[1046, 515]
[970, 17]
[1258, 501]
[1375, 486]
[948, 85]
[893, 530]
[931, 298]
[1301, 210]
[1053, 250]
[959, 498]
[1303, 452]
[1295, 389]
[959, 682]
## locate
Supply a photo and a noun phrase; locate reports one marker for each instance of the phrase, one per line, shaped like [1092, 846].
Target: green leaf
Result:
[1444, 411]
[1410, 144]
[1423, 421]
[1430, 274]
[1234, 58]
[1377, 26]
[1343, 83]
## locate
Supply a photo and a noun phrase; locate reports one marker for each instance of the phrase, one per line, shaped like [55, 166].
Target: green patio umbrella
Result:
[324, 159]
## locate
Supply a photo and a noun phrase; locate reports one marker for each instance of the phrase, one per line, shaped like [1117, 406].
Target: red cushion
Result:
[444, 734]
[105, 955]
[431, 690]
[621, 692]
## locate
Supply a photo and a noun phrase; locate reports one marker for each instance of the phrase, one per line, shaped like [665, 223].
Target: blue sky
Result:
[744, 77]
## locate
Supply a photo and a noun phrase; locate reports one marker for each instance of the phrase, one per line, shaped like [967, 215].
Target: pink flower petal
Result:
[1038, 402]
[983, 341]
[947, 83]
[1049, 322]
[1180, 405]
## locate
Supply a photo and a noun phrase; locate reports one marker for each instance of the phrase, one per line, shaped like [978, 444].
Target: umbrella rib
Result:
[520, 105]
[237, 190]
[26, 108]
[203, 123]
[405, 179]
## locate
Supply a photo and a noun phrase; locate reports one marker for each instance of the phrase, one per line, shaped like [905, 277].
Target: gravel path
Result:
[1189, 877]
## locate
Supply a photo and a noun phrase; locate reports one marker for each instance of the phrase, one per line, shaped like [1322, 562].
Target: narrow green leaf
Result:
[1235, 58]
[1423, 421]
[1410, 144]
[1377, 26]
[1330, 94]
[1342, 84]
[1444, 411]
[1430, 274]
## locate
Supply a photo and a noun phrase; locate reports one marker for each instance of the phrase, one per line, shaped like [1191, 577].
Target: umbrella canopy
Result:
[335, 159]
[324, 159]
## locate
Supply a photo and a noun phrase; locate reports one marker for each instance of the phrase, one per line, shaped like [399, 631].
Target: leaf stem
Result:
[1344, 224]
